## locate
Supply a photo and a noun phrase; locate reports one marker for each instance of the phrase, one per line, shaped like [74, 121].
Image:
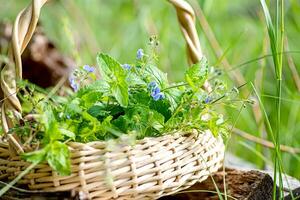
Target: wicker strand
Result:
[23, 30]
[186, 18]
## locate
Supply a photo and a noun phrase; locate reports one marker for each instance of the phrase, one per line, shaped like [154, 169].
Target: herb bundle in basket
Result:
[129, 135]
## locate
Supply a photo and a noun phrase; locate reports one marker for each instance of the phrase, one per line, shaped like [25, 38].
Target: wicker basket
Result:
[152, 168]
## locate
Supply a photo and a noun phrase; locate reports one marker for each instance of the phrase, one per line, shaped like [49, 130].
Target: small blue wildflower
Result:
[68, 117]
[208, 99]
[139, 54]
[75, 87]
[126, 66]
[71, 80]
[73, 84]
[158, 96]
[88, 68]
[155, 91]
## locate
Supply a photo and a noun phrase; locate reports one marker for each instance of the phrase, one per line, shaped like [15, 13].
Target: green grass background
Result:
[81, 28]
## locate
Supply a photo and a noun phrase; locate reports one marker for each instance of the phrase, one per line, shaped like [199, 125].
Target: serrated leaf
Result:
[197, 74]
[134, 79]
[173, 96]
[155, 74]
[100, 86]
[110, 68]
[120, 92]
[115, 75]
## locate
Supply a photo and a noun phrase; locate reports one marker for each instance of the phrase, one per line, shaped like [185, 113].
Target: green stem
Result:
[22, 174]
[282, 34]
[277, 138]
[175, 86]
[278, 161]
[179, 107]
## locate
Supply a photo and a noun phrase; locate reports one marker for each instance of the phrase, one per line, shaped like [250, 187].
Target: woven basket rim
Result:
[4, 143]
[145, 139]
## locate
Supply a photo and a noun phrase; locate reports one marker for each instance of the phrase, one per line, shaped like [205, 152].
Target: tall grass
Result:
[276, 36]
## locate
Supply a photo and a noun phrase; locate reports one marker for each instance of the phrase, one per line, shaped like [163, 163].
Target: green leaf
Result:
[122, 123]
[155, 74]
[100, 86]
[98, 111]
[140, 119]
[58, 158]
[101, 111]
[135, 79]
[36, 156]
[140, 97]
[163, 107]
[51, 126]
[273, 39]
[173, 96]
[67, 133]
[115, 75]
[73, 107]
[91, 98]
[110, 69]
[155, 120]
[120, 92]
[197, 74]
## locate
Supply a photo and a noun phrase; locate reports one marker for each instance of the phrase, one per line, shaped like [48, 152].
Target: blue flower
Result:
[88, 68]
[73, 84]
[139, 54]
[126, 66]
[208, 99]
[75, 87]
[155, 91]
[158, 96]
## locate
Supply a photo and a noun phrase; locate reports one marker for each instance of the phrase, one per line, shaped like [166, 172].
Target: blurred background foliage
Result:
[81, 28]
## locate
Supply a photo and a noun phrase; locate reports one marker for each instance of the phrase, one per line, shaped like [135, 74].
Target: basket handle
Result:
[23, 30]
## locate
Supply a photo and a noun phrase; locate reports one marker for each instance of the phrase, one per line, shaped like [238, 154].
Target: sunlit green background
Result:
[81, 28]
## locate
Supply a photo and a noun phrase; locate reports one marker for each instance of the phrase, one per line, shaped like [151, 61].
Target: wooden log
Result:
[252, 185]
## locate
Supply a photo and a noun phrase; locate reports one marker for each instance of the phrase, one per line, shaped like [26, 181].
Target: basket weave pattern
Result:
[152, 168]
